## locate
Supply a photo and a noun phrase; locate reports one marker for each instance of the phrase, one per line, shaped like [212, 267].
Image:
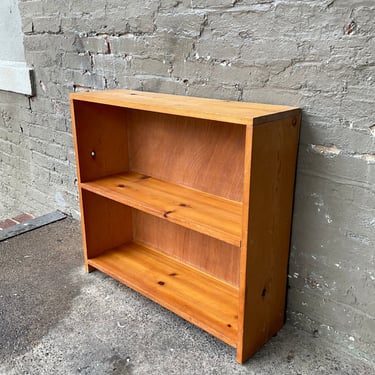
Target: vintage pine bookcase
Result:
[189, 202]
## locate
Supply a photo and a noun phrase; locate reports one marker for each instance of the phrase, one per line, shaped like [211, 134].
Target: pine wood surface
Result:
[205, 155]
[197, 297]
[101, 140]
[264, 260]
[203, 212]
[205, 253]
[107, 223]
[210, 109]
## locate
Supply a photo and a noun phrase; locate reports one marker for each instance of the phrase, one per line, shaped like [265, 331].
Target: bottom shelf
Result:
[195, 296]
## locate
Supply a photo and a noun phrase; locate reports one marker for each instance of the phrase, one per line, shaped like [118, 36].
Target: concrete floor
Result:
[56, 319]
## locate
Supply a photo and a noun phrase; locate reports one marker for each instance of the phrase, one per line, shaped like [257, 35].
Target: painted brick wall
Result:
[318, 55]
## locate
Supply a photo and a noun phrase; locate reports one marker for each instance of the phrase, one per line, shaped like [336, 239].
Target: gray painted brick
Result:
[169, 4]
[34, 8]
[160, 66]
[217, 49]
[212, 3]
[49, 24]
[81, 61]
[158, 84]
[168, 43]
[186, 24]
[129, 44]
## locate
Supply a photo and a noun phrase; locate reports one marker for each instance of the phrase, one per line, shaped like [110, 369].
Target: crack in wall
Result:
[326, 150]
[331, 151]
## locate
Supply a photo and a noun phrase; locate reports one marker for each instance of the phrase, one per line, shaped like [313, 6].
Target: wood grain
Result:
[101, 140]
[195, 296]
[217, 258]
[107, 224]
[205, 155]
[264, 261]
[209, 109]
[205, 213]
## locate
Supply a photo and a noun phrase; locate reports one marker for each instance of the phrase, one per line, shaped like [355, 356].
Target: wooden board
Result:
[271, 164]
[205, 213]
[205, 155]
[101, 140]
[210, 109]
[106, 223]
[206, 253]
[203, 300]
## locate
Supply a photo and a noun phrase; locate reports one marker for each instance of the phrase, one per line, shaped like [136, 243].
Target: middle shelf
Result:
[206, 213]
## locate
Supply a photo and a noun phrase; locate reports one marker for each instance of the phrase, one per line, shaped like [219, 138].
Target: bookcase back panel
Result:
[202, 154]
[203, 252]
[102, 140]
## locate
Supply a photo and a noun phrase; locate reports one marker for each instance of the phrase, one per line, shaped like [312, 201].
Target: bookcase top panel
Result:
[210, 109]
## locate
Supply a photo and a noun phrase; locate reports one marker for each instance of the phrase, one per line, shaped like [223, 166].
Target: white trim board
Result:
[17, 77]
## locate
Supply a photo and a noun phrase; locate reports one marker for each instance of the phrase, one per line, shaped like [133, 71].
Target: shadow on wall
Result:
[331, 269]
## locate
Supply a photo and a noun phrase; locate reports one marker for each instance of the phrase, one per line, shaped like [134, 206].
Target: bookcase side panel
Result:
[264, 265]
[101, 140]
[203, 154]
[107, 224]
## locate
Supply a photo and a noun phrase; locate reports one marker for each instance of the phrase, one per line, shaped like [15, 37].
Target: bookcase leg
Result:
[240, 357]
[89, 268]
[243, 354]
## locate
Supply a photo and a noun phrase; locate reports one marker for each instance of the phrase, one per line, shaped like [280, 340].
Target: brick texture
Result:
[7, 223]
[21, 218]
[318, 55]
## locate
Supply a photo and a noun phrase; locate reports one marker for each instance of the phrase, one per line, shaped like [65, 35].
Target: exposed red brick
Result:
[22, 218]
[7, 223]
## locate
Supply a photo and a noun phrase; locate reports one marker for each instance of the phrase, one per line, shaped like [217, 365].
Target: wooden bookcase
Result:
[189, 202]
